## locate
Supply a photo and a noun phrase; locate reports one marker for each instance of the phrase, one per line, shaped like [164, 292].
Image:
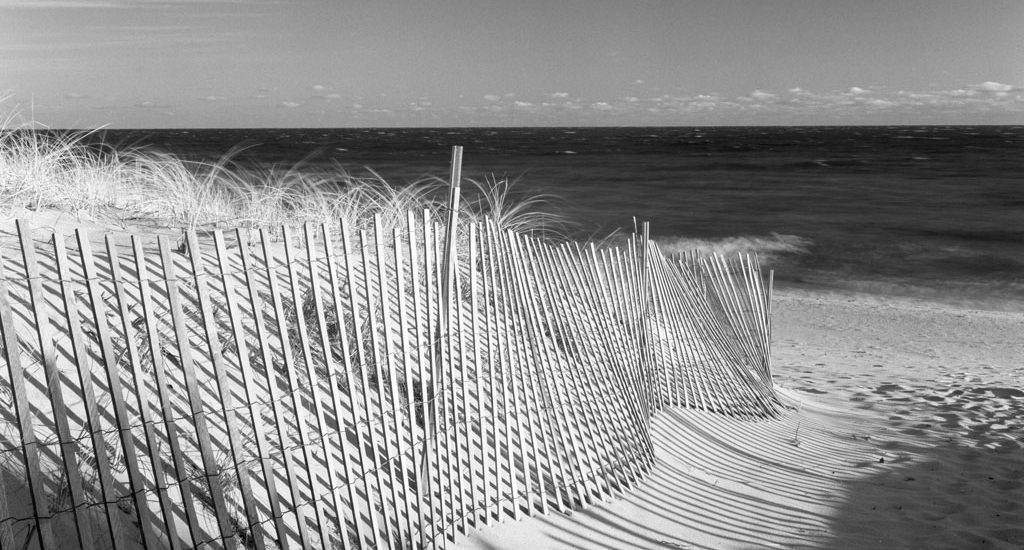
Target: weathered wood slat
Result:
[332, 486]
[372, 466]
[135, 475]
[23, 416]
[594, 321]
[421, 334]
[353, 420]
[571, 464]
[166, 405]
[277, 398]
[387, 364]
[292, 263]
[534, 381]
[414, 508]
[211, 471]
[249, 386]
[586, 384]
[112, 373]
[498, 351]
[516, 364]
[54, 385]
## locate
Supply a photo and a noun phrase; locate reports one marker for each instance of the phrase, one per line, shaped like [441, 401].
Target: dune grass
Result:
[69, 172]
[64, 171]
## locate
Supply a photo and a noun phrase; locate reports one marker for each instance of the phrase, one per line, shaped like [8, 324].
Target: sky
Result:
[366, 63]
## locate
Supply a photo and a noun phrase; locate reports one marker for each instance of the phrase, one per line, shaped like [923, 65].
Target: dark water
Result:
[936, 212]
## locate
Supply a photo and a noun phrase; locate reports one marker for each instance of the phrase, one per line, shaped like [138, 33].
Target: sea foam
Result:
[768, 248]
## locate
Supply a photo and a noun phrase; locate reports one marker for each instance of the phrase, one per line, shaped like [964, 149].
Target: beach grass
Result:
[69, 172]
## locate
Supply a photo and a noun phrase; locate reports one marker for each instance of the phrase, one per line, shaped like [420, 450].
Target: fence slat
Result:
[346, 370]
[610, 442]
[135, 477]
[211, 471]
[513, 354]
[421, 329]
[112, 376]
[481, 498]
[54, 385]
[537, 311]
[302, 335]
[399, 478]
[277, 400]
[415, 518]
[166, 405]
[249, 389]
[586, 384]
[459, 395]
[222, 393]
[23, 415]
[497, 351]
[534, 378]
[331, 486]
[354, 305]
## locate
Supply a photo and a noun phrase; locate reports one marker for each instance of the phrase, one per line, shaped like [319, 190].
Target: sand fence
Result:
[342, 387]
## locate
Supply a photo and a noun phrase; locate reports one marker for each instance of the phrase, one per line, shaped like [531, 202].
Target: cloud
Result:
[289, 104]
[601, 106]
[761, 95]
[560, 95]
[492, 97]
[523, 104]
[857, 90]
[214, 98]
[990, 86]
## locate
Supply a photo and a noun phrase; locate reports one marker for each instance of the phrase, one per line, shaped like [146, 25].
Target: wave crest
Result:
[768, 248]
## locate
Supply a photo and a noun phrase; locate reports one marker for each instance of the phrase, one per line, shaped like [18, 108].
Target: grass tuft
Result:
[63, 171]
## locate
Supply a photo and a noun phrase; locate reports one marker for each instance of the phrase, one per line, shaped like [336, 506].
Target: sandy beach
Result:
[903, 431]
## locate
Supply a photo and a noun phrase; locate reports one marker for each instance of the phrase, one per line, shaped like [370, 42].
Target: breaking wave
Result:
[768, 248]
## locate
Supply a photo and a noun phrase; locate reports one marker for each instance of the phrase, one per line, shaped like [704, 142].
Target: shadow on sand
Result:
[823, 477]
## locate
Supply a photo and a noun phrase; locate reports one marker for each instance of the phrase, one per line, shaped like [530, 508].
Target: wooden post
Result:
[447, 281]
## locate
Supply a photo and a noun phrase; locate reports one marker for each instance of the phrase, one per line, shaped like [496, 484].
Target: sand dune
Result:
[904, 431]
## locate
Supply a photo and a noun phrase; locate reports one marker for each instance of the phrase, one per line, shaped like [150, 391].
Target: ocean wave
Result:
[768, 248]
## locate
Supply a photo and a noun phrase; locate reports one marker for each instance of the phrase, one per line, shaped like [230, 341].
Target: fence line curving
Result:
[342, 387]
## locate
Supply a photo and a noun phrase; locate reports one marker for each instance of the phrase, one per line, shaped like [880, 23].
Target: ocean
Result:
[934, 212]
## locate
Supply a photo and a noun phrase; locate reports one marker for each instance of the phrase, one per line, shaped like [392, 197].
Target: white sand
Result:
[907, 431]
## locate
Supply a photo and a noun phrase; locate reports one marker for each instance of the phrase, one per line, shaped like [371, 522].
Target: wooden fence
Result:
[341, 387]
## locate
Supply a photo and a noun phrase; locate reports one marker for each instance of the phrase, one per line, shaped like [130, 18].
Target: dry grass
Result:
[61, 171]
